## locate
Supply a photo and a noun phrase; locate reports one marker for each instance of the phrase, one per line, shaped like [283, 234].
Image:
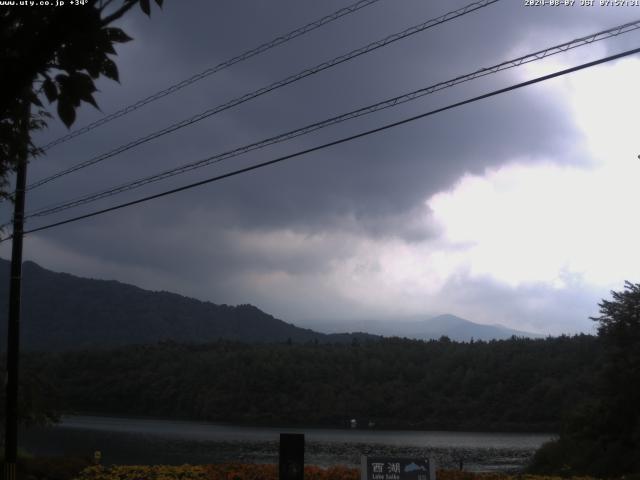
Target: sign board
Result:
[396, 468]
[291, 462]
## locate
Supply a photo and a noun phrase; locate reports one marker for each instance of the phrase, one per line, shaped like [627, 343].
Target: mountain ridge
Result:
[447, 325]
[61, 311]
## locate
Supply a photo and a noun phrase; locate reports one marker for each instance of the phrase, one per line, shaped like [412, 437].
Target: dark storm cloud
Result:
[382, 175]
[373, 187]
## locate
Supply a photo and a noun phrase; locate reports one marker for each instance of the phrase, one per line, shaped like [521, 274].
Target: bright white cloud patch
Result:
[547, 223]
[532, 228]
[605, 103]
[524, 224]
[530, 245]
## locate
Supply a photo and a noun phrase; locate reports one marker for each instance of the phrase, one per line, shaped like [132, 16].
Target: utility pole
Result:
[13, 335]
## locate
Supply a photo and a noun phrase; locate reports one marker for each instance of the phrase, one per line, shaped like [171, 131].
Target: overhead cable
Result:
[210, 71]
[261, 91]
[335, 142]
[508, 64]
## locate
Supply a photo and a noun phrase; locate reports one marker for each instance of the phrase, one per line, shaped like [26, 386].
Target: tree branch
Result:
[118, 13]
[105, 4]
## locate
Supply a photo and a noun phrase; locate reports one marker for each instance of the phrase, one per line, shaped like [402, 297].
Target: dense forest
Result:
[506, 385]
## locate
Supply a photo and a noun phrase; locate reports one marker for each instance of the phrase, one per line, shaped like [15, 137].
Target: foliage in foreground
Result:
[235, 471]
[52, 53]
[603, 437]
[50, 468]
[73, 468]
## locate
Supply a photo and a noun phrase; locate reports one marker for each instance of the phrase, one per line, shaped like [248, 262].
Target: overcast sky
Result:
[520, 209]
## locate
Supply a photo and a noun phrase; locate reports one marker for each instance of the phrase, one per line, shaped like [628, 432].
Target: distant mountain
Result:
[455, 328]
[61, 312]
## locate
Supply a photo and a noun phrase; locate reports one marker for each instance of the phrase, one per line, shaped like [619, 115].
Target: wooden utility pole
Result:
[13, 335]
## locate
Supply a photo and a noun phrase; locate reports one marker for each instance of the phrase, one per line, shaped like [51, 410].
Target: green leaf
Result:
[82, 88]
[66, 111]
[89, 99]
[145, 6]
[109, 69]
[50, 90]
[159, 2]
[117, 35]
[103, 44]
[83, 82]
[93, 66]
[35, 100]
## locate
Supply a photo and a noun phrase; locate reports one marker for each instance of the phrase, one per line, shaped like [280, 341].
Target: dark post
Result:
[13, 335]
[291, 460]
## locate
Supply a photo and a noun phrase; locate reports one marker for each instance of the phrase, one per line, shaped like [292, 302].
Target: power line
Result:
[337, 142]
[539, 55]
[256, 93]
[210, 71]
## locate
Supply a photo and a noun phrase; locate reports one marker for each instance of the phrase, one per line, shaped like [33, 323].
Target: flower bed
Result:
[240, 471]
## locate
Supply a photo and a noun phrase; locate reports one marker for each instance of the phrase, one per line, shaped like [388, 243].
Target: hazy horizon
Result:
[378, 325]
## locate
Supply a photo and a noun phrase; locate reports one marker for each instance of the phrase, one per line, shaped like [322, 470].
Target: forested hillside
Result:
[517, 384]
[63, 312]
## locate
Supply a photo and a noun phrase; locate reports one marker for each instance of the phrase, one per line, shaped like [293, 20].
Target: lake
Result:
[145, 441]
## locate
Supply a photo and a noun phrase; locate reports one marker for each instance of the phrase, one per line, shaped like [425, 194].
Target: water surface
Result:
[131, 440]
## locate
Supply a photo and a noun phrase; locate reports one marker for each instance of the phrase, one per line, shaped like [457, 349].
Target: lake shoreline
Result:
[467, 427]
[144, 441]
